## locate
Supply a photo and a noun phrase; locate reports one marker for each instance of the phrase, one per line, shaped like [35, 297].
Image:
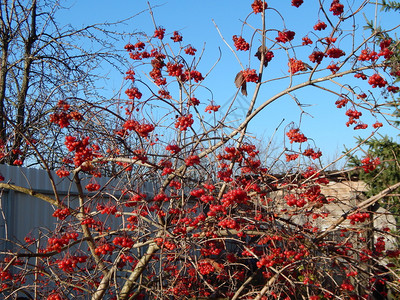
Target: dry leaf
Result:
[240, 82]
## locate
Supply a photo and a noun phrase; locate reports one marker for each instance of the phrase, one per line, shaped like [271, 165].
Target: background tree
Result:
[42, 62]
[216, 222]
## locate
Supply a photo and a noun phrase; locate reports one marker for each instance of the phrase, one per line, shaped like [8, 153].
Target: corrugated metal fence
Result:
[22, 214]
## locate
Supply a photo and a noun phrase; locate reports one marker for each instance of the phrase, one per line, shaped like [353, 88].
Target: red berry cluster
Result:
[64, 115]
[353, 116]
[360, 75]
[192, 160]
[125, 242]
[295, 66]
[313, 154]
[62, 173]
[68, 264]
[104, 249]
[173, 148]
[250, 75]
[159, 33]
[164, 94]
[184, 122]
[285, 36]
[54, 296]
[369, 164]
[336, 8]
[133, 93]
[335, 52]
[189, 50]
[91, 187]
[240, 43]
[297, 3]
[233, 197]
[82, 152]
[290, 157]
[377, 125]
[333, 68]
[193, 74]
[56, 244]
[360, 126]
[306, 41]
[211, 108]
[229, 223]
[130, 75]
[133, 200]
[320, 26]
[316, 56]
[346, 285]
[61, 213]
[193, 101]
[295, 200]
[142, 130]
[259, 6]
[368, 55]
[176, 37]
[376, 80]
[174, 69]
[295, 136]
[107, 209]
[385, 51]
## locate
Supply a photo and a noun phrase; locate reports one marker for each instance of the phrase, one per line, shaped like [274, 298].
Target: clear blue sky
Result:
[193, 19]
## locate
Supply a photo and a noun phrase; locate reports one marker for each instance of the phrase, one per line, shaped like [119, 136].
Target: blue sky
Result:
[323, 122]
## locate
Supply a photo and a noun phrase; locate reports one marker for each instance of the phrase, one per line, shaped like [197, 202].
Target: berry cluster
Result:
[295, 136]
[358, 217]
[192, 160]
[124, 242]
[369, 164]
[316, 56]
[233, 197]
[159, 33]
[211, 108]
[295, 200]
[68, 264]
[259, 6]
[306, 41]
[297, 3]
[173, 148]
[353, 116]
[250, 75]
[133, 93]
[176, 37]
[189, 50]
[174, 69]
[290, 157]
[56, 244]
[104, 249]
[62, 173]
[320, 26]
[368, 55]
[376, 80]
[313, 154]
[64, 115]
[336, 8]
[61, 213]
[240, 43]
[333, 68]
[142, 130]
[335, 52]
[295, 66]
[285, 36]
[91, 187]
[184, 122]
